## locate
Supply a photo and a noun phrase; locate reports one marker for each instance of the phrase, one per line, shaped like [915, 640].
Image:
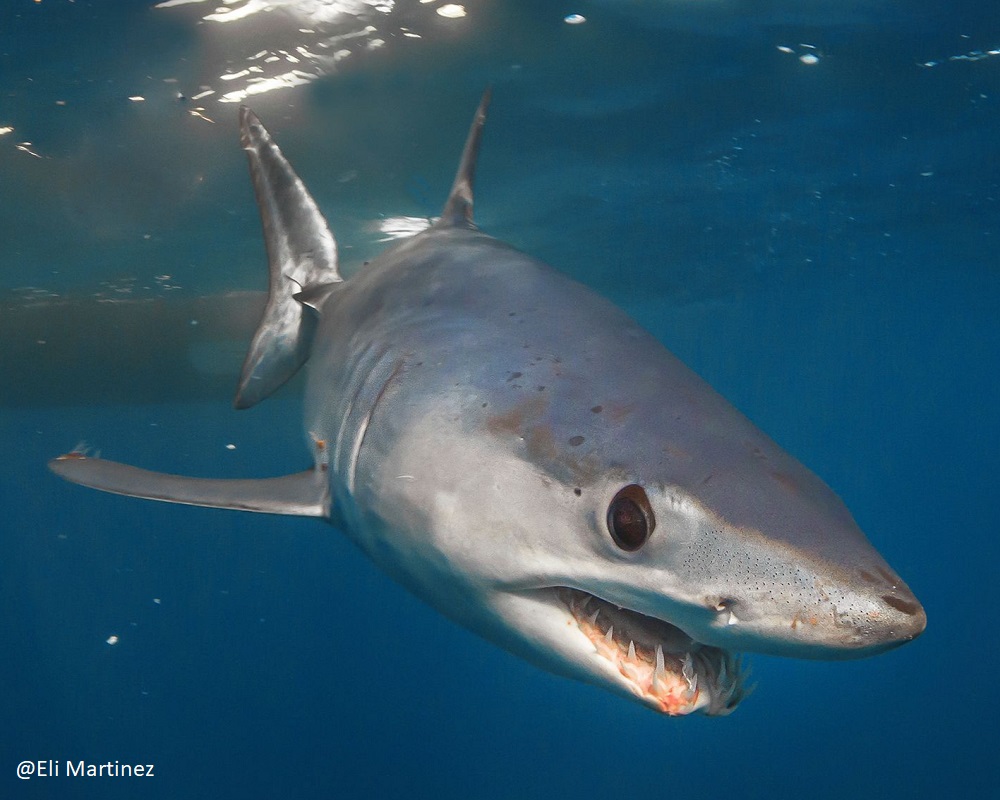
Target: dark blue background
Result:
[817, 240]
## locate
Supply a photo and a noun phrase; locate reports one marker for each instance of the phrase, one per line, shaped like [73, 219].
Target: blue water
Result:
[816, 239]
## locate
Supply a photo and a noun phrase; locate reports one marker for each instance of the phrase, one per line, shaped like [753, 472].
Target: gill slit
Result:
[359, 436]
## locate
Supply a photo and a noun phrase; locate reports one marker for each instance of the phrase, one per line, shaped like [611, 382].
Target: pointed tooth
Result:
[592, 619]
[692, 687]
[631, 650]
[609, 637]
[660, 666]
[687, 668]
[726, 698]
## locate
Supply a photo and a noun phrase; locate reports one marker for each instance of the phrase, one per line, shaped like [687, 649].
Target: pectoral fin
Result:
[304, 494]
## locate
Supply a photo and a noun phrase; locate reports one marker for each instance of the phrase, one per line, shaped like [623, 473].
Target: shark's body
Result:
[522, 455]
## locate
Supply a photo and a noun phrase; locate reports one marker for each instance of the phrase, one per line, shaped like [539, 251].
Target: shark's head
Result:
[618, 521]
[652, 591]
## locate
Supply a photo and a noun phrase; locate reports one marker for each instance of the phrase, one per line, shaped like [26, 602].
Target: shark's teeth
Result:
[687, 670]
[659, 663]
[690, 676]
[660, 684]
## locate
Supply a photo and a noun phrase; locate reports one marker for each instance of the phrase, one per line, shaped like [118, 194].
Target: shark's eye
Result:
[630, 518]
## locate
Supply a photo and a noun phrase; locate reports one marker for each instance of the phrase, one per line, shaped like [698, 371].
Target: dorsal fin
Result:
[301, 254]
[458, 209]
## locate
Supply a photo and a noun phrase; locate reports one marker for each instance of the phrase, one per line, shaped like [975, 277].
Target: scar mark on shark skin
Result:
[321, 456]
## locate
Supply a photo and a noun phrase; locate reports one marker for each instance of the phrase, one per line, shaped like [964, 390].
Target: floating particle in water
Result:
[25, 147]
[451, 11]
[574, 19]
[112, 639]
[230, 446]
[809, 57]
[199, 112]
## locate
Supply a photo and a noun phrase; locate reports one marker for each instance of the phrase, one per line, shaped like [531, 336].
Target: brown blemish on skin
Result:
[517, 418]
[892, 579]
[619, 412]
[526, 420]
[867, 577]
[597, 409]
[675, 452]
[799, 618]
[786, 481]
[541, 444]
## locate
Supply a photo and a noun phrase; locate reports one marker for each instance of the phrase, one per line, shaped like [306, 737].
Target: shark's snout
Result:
[871, 612]
[891, 614]
[775, 562]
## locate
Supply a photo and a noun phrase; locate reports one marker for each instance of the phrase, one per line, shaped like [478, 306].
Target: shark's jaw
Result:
[649, 658]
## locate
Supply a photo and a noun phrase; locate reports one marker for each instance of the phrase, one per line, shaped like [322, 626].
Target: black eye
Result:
[630, 518]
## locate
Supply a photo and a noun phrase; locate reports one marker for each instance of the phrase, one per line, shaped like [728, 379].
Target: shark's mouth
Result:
[657, 661]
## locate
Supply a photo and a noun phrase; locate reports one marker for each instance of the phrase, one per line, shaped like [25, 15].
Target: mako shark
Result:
[518, 452]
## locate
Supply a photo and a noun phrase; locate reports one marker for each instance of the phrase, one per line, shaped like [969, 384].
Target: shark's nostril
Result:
[910, 607]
